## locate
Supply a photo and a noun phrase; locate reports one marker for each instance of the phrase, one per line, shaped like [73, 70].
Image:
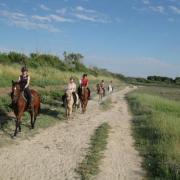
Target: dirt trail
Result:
[56, 151]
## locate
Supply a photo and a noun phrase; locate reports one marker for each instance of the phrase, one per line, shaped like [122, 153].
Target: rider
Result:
[72, 87]
[84, 82]
[24, 80]
[102, 86]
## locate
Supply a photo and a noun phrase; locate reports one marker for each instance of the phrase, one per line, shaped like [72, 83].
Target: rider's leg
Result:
[74, 97]
[29, 97]
[89, 96]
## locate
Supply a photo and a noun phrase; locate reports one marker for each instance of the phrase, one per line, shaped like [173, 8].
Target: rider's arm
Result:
[28, 81]
[19, 79]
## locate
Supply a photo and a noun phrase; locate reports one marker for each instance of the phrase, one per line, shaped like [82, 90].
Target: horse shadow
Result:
[50, 112]
[5, 118]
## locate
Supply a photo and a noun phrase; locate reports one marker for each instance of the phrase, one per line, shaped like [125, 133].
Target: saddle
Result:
[75, 97]
[25, 96]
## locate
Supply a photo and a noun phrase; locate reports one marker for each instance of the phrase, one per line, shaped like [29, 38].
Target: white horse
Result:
[69, 103]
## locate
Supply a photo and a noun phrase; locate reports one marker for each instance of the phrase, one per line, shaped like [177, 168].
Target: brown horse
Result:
[83, 96]
[19, 103]
[100, 91]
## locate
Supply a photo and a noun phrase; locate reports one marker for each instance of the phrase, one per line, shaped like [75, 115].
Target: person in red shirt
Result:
[84, 82]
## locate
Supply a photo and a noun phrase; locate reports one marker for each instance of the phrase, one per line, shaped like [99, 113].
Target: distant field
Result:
[156, 126]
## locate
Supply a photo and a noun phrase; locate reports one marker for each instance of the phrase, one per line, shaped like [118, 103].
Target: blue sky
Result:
[132, 37]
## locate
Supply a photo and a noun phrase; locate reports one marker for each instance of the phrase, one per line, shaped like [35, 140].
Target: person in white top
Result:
[72, 87]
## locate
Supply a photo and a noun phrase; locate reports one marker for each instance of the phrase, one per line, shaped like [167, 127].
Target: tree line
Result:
[72, 62]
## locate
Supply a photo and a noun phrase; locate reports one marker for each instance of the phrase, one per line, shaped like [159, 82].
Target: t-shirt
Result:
[84, 82]
[72, 87]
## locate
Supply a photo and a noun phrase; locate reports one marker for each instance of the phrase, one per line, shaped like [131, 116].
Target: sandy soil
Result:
[54, 153]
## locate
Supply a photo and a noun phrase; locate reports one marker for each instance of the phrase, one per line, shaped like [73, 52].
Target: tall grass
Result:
[45, 76]
[156, 127]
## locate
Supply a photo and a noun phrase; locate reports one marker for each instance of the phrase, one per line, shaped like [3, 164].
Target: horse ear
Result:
[12, 82]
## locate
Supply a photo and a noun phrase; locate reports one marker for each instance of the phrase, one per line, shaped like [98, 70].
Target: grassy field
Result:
[156, 127]
[50, 83]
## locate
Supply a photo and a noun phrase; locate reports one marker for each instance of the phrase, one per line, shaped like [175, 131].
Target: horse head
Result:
[16, 90]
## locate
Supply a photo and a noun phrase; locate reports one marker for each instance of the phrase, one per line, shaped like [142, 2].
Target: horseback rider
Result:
[110, 87]
[102, 86]
[84, 82]
[24, 80]
[72, 87]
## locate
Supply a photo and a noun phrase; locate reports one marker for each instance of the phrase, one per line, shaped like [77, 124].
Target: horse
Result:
[19, 105]
[69, 102]
[100, 91]
[83, 96]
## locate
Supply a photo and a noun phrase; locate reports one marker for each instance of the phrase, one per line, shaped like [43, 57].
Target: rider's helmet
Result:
[84, 75]
[71, 78]
[24, 68]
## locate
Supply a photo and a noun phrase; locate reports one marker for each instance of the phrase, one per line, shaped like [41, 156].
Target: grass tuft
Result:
[90, 165]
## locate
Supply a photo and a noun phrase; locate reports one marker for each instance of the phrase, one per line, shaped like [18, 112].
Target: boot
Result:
[29, 105]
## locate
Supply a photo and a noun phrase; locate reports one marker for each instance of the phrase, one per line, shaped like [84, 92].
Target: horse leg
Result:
[18, 121]
[17, 125]
[20, 126]
[36, 111]
[32, 119]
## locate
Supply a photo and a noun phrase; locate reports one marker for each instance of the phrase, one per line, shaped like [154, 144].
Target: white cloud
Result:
[43, 7]
[90, 15]
[41, 18]
[61, 11]
[145, 1]
[33, 25]
[24, 21]
[175, 9]
[85, 17]
[159, 9]
[59, 18]
[51, 18]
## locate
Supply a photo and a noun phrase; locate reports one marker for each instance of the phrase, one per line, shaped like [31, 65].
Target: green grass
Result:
[156, 126]
[50, 82]
[172, 93]
[89, 167]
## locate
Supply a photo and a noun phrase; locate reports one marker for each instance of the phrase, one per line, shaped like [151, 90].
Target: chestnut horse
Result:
[19, 104]
[100, 91]
[83, 96]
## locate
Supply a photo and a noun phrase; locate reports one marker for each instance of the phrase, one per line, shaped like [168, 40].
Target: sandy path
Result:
[121, 159]
[56, 151]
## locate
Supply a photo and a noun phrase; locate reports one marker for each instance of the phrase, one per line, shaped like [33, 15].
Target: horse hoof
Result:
[13, 136]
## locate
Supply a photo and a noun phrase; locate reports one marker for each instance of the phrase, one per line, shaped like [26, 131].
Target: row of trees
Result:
[69, 62]
[154, 79]
[164, 79]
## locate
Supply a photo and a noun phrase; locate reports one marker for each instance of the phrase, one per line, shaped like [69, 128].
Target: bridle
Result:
[14, 94]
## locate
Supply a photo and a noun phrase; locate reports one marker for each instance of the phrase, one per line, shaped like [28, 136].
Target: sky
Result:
[132, 37]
